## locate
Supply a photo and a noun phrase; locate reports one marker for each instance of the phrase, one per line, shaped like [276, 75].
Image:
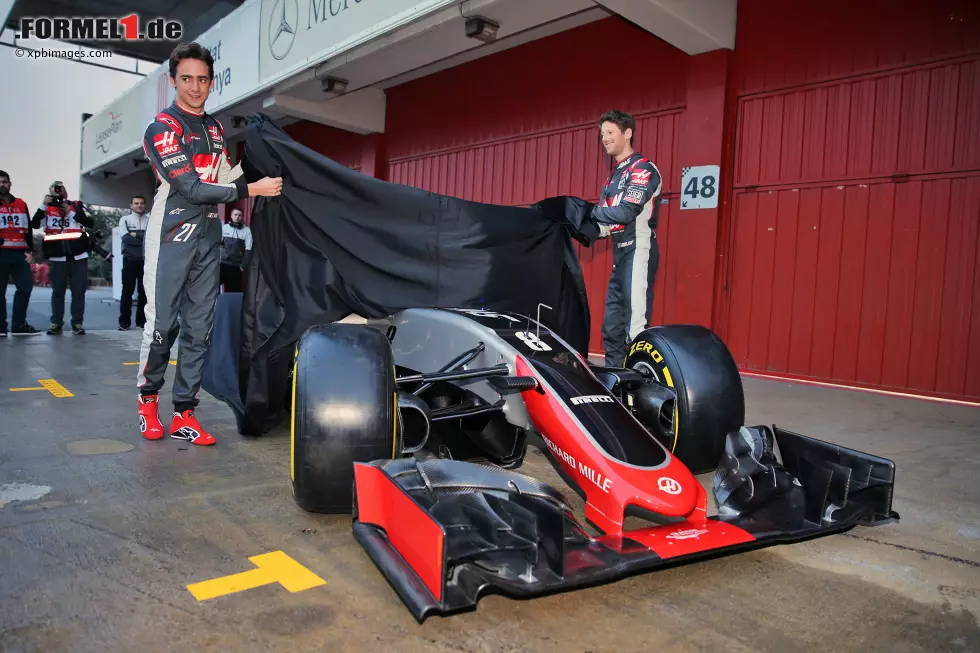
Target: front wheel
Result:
[343, 412]
[696, 364]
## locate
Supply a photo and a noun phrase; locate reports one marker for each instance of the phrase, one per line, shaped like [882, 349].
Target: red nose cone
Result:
[671, 491]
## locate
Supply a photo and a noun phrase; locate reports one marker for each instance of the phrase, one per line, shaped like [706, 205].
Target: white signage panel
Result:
[236, 61]
[116, 129]
[294, 34]
[699, 187]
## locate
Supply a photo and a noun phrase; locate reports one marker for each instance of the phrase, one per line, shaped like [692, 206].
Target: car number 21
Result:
[532, 341]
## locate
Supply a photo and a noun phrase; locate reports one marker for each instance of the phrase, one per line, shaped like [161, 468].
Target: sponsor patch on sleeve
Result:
[166, 143]
[634, 196]
[640, 178]
[174, 160]
[176, 172]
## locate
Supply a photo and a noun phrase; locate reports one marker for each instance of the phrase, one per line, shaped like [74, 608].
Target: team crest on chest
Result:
[207, 166]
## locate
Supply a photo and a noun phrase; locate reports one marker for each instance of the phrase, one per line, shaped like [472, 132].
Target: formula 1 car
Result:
[415, 423]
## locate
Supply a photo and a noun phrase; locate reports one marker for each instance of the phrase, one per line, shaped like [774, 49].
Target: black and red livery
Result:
[436, 408]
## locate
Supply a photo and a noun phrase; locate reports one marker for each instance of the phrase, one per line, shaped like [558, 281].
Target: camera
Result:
[94, 238]
[56, 192]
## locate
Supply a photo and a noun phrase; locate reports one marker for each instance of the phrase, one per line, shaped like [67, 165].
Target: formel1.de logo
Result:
[126, 28]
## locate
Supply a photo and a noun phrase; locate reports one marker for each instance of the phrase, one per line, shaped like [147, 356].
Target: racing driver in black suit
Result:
[186, 148]
[627, 211]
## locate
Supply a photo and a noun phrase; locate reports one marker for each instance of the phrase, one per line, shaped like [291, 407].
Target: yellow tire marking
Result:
[275, 567]
[670, 382]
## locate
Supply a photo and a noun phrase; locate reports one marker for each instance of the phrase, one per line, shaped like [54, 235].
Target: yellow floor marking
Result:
[55, 388]
[51, 386]
[137, 363]
[275, 567]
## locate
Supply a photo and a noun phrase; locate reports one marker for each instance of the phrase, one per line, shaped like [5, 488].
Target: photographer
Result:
[66, 246]
[134, 225]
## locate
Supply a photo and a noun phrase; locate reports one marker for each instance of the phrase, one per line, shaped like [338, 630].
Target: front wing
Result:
[446, 532]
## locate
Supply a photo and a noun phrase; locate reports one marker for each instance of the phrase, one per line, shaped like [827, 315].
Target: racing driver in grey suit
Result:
[187, 151]
[627, 211]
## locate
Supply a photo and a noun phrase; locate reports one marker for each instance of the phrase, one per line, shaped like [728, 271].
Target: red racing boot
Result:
[185, 426]
[150, 426]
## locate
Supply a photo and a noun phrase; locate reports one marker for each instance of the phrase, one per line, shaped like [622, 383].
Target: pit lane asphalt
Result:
[102, 532]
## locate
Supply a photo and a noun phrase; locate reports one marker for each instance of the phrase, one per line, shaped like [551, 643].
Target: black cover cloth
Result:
[337, 242]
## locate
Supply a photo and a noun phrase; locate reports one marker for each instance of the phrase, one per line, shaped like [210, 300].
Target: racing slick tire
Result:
[343, 412]
[710, 401]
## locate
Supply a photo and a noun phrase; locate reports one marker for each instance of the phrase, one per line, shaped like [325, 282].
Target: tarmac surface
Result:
[101, 310]
[102, 533]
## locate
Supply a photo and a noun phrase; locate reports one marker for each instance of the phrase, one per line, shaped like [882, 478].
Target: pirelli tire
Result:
[695, 362]
[343, 411]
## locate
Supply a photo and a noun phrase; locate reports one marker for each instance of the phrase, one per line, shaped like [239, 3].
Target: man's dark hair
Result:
[139, 197]
[3, 173]
[191, 51]
[621, 119]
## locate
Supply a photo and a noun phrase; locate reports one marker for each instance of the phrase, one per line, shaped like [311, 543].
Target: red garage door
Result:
[522, 170]
[518, 126]
[482, 132]
[854, 245]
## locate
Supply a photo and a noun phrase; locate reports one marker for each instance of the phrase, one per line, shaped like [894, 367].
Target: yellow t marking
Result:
[137, 363]
[275, 567]
[51, 386]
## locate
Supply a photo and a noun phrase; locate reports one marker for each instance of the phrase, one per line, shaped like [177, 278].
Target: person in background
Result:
[236, 248]
[134, 225]
[16, 243]
[627, 211]
[66, 247]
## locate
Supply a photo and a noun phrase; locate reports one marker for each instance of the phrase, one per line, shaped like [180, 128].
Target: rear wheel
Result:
[343, 411]
[710, 401]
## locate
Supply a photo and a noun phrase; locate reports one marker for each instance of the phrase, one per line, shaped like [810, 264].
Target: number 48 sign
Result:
[700, 184]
